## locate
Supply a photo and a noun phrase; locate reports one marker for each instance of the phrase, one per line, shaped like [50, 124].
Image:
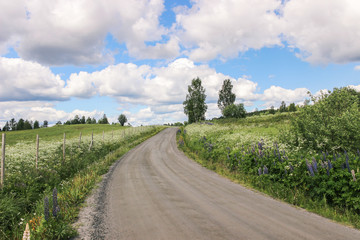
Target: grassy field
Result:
[56, 132]
[254, 152]
[22, 196]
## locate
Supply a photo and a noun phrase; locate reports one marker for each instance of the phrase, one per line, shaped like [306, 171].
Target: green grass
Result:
[56, 132]
[22, 196]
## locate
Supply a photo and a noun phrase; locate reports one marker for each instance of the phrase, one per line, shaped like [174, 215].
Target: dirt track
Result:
[156, 192]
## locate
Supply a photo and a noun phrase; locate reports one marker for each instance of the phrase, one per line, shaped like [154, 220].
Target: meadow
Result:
[255, 152]
[65, 183]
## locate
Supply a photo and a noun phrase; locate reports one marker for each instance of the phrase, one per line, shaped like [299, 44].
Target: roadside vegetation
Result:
[49, 197]
[309, 157]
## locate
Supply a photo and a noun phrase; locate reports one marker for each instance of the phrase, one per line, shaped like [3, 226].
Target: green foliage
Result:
[283, 107]
[247, 151]
[331, 124]
[22, 198]
[272, 110]
[122, 119]
[292, 107]
[194, 105]
[37, 125]
[226, 96]
[234, 111]
[103, 120]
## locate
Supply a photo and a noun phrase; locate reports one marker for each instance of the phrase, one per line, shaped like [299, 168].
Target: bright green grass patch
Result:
[56, 132]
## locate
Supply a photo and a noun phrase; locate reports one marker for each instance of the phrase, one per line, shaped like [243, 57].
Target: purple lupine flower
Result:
[285, 171]
[324, 156]
[260, 146]
[46, 209]
[266, 170]
[329, 164]
[310, 168]
[55, 202]
[334, 157]
[314, 164]
[291, 167]
[259, 171]
[347, 163]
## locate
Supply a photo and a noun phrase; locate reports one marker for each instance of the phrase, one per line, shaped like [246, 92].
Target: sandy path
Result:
[156, 192]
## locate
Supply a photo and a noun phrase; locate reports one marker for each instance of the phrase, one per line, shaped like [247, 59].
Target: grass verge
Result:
[71, 193]
[296, 197]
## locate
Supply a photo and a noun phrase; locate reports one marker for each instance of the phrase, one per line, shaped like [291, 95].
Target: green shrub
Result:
[331, 124]
[235, 111]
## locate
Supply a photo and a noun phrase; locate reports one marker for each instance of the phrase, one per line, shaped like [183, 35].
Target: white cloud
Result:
[24, 80]
[36, 110]
[211, 28]
[324, 31]
[274, 95]
[61, 32]
[357, 68]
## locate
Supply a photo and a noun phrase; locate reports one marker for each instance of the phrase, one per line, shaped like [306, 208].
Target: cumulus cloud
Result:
[37, 110]
[274, 95]
[325, 31]
[74, 31]
[357, 68]
[24, 80]
[211, 28]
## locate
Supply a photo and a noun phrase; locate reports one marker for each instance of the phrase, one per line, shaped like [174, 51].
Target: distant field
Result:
[56, 132]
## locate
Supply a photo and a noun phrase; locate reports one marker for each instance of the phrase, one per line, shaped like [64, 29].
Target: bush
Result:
[331, 124]
[235, 111]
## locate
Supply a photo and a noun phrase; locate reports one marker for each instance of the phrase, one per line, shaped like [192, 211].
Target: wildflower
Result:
[347, 163]
[265, 170]
[259, 171]
[309, 166]
[314, 164]
[353, 175]
[55, 203]
[46, 208]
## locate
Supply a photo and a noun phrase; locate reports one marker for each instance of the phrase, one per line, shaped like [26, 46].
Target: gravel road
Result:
[156, 192]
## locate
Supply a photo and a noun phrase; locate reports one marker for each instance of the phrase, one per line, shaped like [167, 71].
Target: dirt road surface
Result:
[156, 192]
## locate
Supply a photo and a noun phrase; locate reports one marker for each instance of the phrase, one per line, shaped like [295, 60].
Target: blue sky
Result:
[68, 58]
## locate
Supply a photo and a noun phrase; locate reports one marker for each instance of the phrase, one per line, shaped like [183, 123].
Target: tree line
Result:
[22, 124]
[195, 106]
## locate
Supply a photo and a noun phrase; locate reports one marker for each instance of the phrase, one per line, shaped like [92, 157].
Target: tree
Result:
[13, 124]
[45, 124]
[292, 107]
[83, 121]
[93, 121]
[235, 111]
[194, 105]
[88, 120]
[331, 124]
[58, 123]
[122, 119]
[36, 124]
[6, 127]
[76, 120]
[272, 110]
[226, 97]
[282, 107]
[103, 120]
[27, 125]
[20, 124]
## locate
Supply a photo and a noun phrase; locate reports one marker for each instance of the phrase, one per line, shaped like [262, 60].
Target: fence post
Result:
[3, 160]
[92, 138]
[64, 145]
[37, 151]
[80, 139]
